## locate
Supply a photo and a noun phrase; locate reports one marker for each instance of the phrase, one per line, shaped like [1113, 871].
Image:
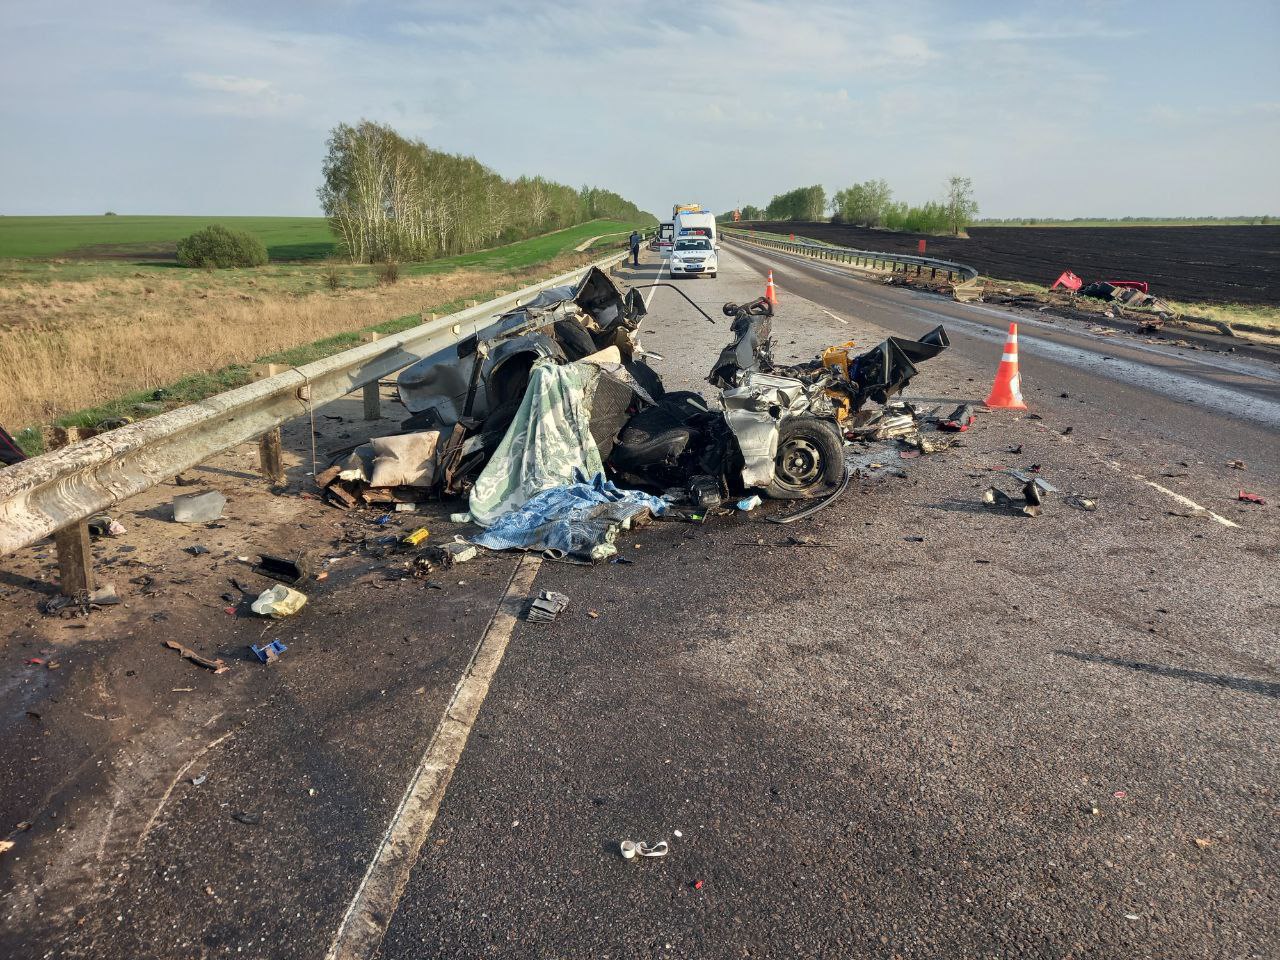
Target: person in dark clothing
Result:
[635, 248]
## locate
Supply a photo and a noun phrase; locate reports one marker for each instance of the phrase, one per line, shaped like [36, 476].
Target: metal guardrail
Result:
[57, 490]
[871, 261]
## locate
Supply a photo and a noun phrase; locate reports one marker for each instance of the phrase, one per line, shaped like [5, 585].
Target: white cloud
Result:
[243, 86]
[1055, 26]
[244, 96]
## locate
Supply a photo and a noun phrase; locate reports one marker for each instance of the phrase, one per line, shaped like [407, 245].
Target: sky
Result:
[1052, 109]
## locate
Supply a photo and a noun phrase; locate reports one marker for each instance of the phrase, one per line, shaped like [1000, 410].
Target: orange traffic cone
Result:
[1006, 392]
[770, 291]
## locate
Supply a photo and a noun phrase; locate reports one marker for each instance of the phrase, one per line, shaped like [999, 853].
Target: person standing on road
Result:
[635, 248]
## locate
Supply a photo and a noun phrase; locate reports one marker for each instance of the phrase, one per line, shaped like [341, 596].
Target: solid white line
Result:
[653, 290]
[833, 316]
[375, 901]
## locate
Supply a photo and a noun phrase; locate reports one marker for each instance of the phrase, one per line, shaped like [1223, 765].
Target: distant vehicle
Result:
[680, 208]
[692, 257]
[666, 235]
[696, 224]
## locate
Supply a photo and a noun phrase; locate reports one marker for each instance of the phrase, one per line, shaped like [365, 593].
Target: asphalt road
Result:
[925, 730]
[884, 746]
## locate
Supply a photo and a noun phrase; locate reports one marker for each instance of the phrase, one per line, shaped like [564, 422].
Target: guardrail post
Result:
[260, 371]
[271, 457]
[373, 391]
[373, 401]
[75, 559]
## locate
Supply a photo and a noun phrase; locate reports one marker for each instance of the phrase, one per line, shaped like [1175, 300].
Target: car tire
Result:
[810, 459]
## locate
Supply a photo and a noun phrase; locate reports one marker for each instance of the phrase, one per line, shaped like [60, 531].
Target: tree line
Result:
[390, 198]
[871, 204]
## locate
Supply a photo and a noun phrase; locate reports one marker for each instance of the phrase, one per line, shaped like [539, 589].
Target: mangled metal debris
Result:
[217, 665]
[1128, 294]
[485, 376]
[1033, 493]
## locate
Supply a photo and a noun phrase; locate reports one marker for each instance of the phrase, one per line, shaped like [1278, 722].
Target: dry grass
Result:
[1238, 314]
[68, 345]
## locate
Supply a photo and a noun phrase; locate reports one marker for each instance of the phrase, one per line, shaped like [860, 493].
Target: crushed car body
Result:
[484, 372]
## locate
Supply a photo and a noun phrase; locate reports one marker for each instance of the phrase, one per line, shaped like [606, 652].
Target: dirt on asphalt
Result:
[1203, 264]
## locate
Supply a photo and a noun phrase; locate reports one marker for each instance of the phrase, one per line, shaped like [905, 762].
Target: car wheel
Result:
[810, 458]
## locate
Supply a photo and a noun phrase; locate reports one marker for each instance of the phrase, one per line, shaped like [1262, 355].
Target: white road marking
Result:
[1188, 503]
[652, 290]
[833, 316]
[1185, 501]
[375, 901]
[106, 829]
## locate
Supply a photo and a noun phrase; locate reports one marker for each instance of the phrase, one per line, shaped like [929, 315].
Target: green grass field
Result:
[137, 240]
[299, 277]
[286, 238]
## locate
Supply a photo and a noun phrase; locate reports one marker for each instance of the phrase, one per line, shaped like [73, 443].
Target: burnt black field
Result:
[1229, 264]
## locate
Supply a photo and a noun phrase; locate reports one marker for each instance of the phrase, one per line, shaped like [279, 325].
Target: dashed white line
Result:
[1185, 501]
[833, 316]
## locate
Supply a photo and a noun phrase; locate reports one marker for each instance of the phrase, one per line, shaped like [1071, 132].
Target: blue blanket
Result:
[577, 521]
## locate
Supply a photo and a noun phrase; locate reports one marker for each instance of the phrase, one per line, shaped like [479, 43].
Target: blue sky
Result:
[1054, 109]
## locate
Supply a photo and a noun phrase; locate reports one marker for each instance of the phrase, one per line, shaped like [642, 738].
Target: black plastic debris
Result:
[958, 420]
[283, 570]
[545, 607]
[705, 492]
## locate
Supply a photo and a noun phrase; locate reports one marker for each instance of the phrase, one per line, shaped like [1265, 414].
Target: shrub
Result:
[333, 276]
[216, 246]
[388, 271]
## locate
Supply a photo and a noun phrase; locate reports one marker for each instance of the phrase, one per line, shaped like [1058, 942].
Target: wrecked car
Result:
[774, 433]
[780, 428]
[557, 392]
[490, 369]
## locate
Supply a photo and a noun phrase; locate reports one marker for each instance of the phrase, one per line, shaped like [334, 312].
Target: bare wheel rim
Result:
[799, 463]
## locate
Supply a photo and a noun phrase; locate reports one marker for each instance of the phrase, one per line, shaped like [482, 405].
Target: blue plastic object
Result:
[268, 651]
